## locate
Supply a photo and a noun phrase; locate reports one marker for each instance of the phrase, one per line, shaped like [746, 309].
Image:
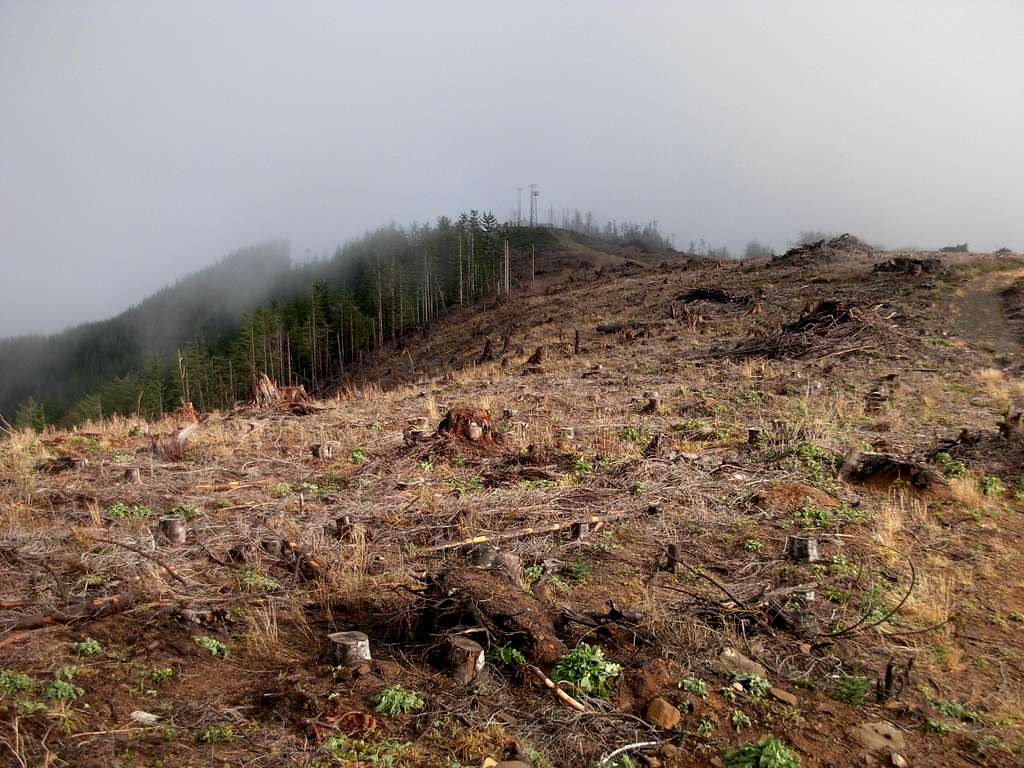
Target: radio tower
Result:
[534, 194]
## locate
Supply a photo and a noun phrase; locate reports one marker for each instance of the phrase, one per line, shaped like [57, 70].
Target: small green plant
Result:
[586, 667]
[767, 753]
[121, 510]
[464, 486]
[214, 734]
[280, 490]
[532, 573]
[753, 545]
[578, 570]
[934, 726]
[706, 725]
[426, 464]
[755, 685]
[991, 485]
[187, 511]
[211, 645]
[506, 655]
[254, 581]
[375, 426]
[61, 687]
[87, 647]
[957, 710]
[457, 460]
[581, 466]
[396, 700]
[740, 720]
[950, 467]
[809, 515]
[696, 686]
[638, 489]
[13, 683]
[852, 689]
[160, 675]
[356, 456]
[640, 434]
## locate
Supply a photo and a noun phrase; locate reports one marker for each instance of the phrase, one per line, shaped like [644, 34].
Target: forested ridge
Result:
[204, 338]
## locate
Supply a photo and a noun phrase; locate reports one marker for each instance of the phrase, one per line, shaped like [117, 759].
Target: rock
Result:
[145, 718]
[784, 696]
[898, 760]
[663, 714]
[878, 735]
[734, 661]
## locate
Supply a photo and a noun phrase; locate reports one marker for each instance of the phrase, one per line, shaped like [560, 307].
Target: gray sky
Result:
[142, 140]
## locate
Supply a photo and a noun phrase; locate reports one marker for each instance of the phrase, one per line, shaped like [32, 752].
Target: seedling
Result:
[395, 700]
[852, 689]
[740, 720]
[506, 655]
[12, 683]
[211, 645]
[767, 753]
[755, 685]
[753, 545]
[586, 668]
[991, 485]
[87, 647]
[696, 686]
[121, 510]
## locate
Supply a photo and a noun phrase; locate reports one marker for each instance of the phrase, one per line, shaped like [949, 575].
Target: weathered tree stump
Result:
[348, 648]
[653, 404]
[133, 475]
[173, 529]
[754, 436]
[343, 527]
[488, 354]
[322, 451]
[537, 357]
[576, 343]
[465, 659]
[508, 414]
[580, 531]
[565, 438]
[674, 552]
[273, 547]
[1012, 425]
[654, 446]
[802, 549]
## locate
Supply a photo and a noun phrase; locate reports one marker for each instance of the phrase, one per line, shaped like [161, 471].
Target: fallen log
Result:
[79, 610]
[519, 533]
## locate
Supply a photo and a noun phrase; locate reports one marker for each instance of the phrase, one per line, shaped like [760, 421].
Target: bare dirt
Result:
[658, 535]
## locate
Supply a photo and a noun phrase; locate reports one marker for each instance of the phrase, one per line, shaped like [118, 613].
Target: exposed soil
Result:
[655, 533]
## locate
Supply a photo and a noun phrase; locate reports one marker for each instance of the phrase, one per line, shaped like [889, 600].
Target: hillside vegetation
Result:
[709, 512]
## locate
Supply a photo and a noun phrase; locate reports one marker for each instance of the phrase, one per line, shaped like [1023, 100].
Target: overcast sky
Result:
[142, 140]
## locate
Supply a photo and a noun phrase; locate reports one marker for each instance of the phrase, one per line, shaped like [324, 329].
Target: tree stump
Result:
[565, 438]
[273, 547]
[348, 648]
[580, 531]
[802, 549]
[322, 451]
[465, 659]
[343, 527]
[537, 357]
[576, 343]
[173, 529]
[674, 557]
[754, 436]
[653, 404]
[133, 475]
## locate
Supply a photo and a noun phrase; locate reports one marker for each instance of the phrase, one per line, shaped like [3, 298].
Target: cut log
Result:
[348, 649]
[465, 659]
[80, 608]
[884, 470]
[174, 529]
[802, 549]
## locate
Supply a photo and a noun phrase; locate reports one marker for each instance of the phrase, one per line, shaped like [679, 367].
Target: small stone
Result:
[734, 661]
[898, 760]
[805, 648]
[878, 734]
[146, 718]
[663, 714]
[784, 696]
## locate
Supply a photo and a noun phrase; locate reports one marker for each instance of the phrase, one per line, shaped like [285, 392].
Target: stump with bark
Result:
[174, 529]
[802, 549]
[348, 649]
[465, 659]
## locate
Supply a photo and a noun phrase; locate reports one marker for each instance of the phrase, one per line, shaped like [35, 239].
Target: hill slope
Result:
[709, 415]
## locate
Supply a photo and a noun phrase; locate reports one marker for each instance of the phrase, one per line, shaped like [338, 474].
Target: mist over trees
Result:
[204, 338]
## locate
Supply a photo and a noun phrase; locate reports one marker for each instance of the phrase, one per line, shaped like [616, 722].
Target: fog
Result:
[142, 140]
